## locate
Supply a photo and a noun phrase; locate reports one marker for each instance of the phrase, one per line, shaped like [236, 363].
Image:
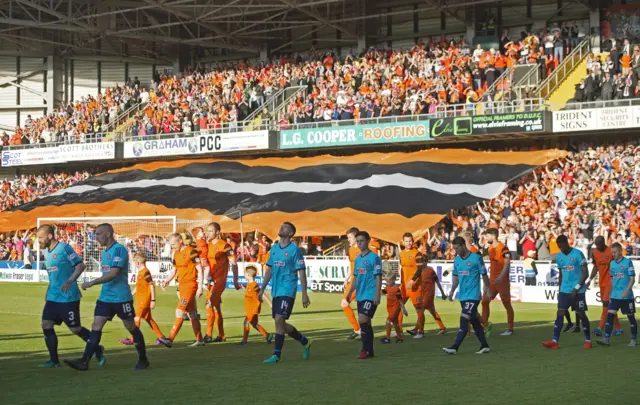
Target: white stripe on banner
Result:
[484, 191]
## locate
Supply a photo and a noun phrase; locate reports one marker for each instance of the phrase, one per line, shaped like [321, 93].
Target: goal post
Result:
[141, 233]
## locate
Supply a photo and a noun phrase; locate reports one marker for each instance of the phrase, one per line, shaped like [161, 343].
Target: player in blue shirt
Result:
[115, 299]
[573, 273]
[468, 269]
[623, 276]
[285, 266]
[62, 304]
[367, 283]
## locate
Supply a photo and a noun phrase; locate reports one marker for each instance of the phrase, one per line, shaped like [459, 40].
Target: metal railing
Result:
[569, 63]
[228, 128]
[505, 78]
[87, 138]
[529, 81]
[124, 116]
[628, 102]
[274, 101]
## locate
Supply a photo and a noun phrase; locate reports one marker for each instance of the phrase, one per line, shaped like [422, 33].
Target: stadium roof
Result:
[157, 30]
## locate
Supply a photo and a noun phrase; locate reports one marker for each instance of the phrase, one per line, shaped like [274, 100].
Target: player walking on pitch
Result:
[573, 274]
[346, 297]
[220, 255]
[145, 292]
[252, 306]
[367, 286]
[63, 295]
[186, 266]
[623, 276]
[115, 299]
[601, 258]
[412, 263]
[285, 265]
[500, 263]
[468, 269]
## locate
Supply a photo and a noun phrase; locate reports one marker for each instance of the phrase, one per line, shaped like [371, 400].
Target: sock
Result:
[398, 332]
[462, 332]
[84, 334]
[603, 317]
[578, 321]
[420, 323]
[486, 311]
[616, 322]
[388, 330]
[278, 345]
[92, 345]
[137, 322]
[608, 327]
[197, 328]
[369, 338]
[211, 319]
[557, 327]
[633, 324]
[260, 329]
[155, 328]
[294, 334]
[586, 328]
[510, 314]
[479, 331]
[51, 339]
[352, 318]
[138, 342]
[220, 323]
[176, 328]
[364, 336]
[436, 316]
[245, 335]
[568, 316]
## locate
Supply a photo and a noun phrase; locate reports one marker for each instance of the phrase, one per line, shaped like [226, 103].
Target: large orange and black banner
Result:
[386, 194]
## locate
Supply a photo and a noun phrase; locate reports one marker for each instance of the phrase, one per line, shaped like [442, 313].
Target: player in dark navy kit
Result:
[367, 277]
[468, 270]
[115, 299]
[623, 277]
[572, 277]
[285, 266]
[63, 295]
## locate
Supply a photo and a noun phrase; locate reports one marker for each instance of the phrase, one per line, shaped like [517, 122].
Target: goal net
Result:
[147, 234]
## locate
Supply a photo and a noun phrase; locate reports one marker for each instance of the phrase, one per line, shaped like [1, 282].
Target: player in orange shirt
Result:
[263, 250]
[145, 293]
[346, 299]
[395, 306]
[430, 282]
[411, 266]
[252, 306]
[500, 283]
[186, 266]
[221, 256]
[601, 258]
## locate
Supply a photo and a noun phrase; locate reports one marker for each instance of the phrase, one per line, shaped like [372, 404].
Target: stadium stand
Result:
[25, 188]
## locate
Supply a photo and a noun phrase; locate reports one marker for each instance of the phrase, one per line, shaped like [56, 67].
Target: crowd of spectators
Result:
[27, 187]
[613, 76]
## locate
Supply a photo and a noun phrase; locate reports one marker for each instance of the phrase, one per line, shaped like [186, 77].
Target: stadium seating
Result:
[26, 188]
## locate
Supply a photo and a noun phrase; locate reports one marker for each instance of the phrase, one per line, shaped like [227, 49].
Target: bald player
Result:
[601, 257]
[221, 256]
[346, 297]
[63, 295]
[186, 266]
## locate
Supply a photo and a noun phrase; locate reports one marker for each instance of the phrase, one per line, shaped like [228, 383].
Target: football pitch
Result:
[518, 370]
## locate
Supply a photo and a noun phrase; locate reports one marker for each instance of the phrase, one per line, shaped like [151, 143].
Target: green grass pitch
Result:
[519, 370]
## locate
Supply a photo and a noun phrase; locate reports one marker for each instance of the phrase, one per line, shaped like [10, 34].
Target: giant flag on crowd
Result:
[386, 194]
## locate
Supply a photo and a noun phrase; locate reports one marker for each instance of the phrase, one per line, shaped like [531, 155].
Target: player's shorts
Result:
[282, 306]
[503, 288]
[428, 296]
[216, 290]
[416, 297]
[367, 308]
[124, 310]
[187, 300]
[578, 303]
[470, 308]
[530, 281]
[627, 307]
[393, 311]
[143, 310]
[251, 310]
[58, 312]
[605, 292]
[347, 288]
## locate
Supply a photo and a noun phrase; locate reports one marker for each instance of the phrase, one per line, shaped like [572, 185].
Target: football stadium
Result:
[319, 201]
